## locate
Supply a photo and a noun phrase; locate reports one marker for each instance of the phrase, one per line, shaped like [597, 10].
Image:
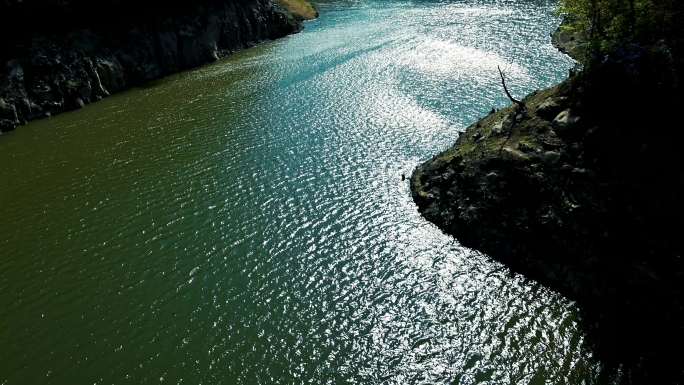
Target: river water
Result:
[247, 222]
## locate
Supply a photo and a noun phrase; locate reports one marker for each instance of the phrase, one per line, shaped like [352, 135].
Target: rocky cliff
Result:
[581, 189]
[60, 55]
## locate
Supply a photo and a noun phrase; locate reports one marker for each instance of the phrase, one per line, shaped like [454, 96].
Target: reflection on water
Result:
[246, 223]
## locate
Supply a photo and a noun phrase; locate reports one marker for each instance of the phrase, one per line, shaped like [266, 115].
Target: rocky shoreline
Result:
[56, 69]
[579, 191]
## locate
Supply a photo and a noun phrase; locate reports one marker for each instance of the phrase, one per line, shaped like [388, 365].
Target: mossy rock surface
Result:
[301, 9]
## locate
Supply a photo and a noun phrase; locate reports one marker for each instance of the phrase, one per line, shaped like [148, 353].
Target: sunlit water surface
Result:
[247, 222]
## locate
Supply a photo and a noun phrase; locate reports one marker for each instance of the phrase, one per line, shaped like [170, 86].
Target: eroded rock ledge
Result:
[581, 190]
[78, 52]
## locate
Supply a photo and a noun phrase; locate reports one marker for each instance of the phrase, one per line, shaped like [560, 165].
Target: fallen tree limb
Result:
[503, 83]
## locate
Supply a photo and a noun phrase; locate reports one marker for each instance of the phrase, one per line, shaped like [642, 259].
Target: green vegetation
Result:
[612, 23]
[300, 8]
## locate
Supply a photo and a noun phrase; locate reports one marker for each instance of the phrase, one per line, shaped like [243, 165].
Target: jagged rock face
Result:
[582, 192]
[46, 73]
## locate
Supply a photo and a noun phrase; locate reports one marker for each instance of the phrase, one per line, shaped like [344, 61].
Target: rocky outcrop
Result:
[55, 68]
[581, 190]
[569, 39]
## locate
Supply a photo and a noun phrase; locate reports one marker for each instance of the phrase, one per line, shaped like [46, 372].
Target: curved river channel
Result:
[247, 222]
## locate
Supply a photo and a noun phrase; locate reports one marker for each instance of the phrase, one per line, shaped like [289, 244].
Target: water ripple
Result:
[247, 222]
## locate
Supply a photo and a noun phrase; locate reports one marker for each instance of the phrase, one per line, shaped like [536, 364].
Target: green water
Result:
[247, 223]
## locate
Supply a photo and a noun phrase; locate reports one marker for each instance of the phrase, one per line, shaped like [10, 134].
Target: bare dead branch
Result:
[503, 83]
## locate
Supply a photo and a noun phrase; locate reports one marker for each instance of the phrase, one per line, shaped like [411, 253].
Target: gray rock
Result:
[581, 171]
[448, 174]
[477, 137]
[111, 74]
[7, 111]
[8, 116]
[514, 154]
[504, 125]
[492, 176]
[565, 119]
[550, 108]
[551, 157]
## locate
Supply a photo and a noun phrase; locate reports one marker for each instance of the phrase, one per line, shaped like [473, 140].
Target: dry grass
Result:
[300, 8]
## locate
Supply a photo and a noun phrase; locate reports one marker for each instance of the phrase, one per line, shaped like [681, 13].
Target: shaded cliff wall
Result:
[581, 190]
[60, 55]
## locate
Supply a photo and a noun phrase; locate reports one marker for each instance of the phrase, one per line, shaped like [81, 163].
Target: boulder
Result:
[565, 121]
[550, 108]
[111, 74]
[8, 111]
[477, 137]
[8, 116]
[504, 125]
[514, 155]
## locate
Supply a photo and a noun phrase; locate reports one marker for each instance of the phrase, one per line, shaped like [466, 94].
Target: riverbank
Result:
[56, 68]
[580, 190]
